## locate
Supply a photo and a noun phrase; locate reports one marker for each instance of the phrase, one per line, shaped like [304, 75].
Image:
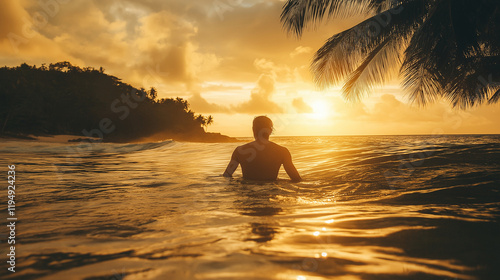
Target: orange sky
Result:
[228, 58]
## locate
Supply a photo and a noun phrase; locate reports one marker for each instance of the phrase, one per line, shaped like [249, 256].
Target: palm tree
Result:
[440, 48]
[204, 121]
[210, 120]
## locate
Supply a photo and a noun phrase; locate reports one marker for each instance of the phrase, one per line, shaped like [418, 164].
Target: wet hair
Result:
[262, 127]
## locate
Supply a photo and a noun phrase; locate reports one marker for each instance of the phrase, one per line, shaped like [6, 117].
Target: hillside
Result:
[66, 99]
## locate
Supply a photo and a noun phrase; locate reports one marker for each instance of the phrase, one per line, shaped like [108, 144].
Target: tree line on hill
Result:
[66, 99]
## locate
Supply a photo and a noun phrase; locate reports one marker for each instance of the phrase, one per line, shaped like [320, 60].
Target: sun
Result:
[321, 110]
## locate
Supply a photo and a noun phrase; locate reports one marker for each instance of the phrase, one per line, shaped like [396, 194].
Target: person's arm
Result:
[290, 168]
[233, 164]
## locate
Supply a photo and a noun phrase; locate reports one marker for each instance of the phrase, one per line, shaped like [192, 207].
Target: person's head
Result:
[262, 128]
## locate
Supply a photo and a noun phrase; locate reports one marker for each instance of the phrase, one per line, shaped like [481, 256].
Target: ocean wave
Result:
[380, 207]
[79, 149]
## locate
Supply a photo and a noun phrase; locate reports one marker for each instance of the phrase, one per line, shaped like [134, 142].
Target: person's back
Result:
[262, 159]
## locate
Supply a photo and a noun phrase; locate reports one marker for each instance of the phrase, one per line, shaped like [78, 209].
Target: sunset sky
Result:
[228, 58]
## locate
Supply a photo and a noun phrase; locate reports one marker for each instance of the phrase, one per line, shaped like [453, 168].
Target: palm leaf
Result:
[359, 49]
[495, 97]
[374, 69]
[447, 46]
[439, 62]
[297, 14]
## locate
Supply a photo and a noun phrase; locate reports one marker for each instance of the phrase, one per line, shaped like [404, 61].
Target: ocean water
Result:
[370, 207]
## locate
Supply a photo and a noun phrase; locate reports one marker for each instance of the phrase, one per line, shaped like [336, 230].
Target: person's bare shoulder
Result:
[237, 150]
[244, 149]
[247, 145]
[281, 148]
[283, 151]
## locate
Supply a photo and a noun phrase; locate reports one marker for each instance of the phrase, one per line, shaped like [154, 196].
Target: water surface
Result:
[374, 207]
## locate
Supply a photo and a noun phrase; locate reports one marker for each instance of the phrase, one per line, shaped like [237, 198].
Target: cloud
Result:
[349, 110]
[12, 18]
[300, 50]
[84, 32]
[388, 115]
[260, 102]
[200, 104]
[221, 87]
[127, 38]
[22, 39]
[178, 46]
[301, 106]
[390, 109]
[281, 72]
[166, 40]
[182, 39]
[185, 38]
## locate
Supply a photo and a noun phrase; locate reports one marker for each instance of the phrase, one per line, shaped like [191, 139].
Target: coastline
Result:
[209, 137]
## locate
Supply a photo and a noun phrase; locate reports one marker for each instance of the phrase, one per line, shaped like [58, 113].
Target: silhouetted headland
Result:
[63, 99]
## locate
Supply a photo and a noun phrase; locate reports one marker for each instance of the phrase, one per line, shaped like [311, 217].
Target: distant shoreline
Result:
[63, 99]
[70, 139]
[209, 137]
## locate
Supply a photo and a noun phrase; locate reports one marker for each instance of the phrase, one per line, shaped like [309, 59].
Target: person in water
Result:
[262, 159]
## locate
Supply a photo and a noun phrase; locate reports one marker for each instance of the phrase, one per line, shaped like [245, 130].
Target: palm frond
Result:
[495, 97]
[296, 14]
[420, 75]
[345, 52]
[422, 86]
[453, 61]
[447, 46]
[475, 85]
[379, 66]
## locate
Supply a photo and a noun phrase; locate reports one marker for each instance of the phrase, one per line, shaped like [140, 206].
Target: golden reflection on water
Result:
[154, 214]
[314, 244]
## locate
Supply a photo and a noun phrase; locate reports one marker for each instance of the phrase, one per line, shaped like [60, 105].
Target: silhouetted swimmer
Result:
[262, 159]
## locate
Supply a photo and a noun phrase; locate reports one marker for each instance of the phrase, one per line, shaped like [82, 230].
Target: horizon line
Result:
[343, 135]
